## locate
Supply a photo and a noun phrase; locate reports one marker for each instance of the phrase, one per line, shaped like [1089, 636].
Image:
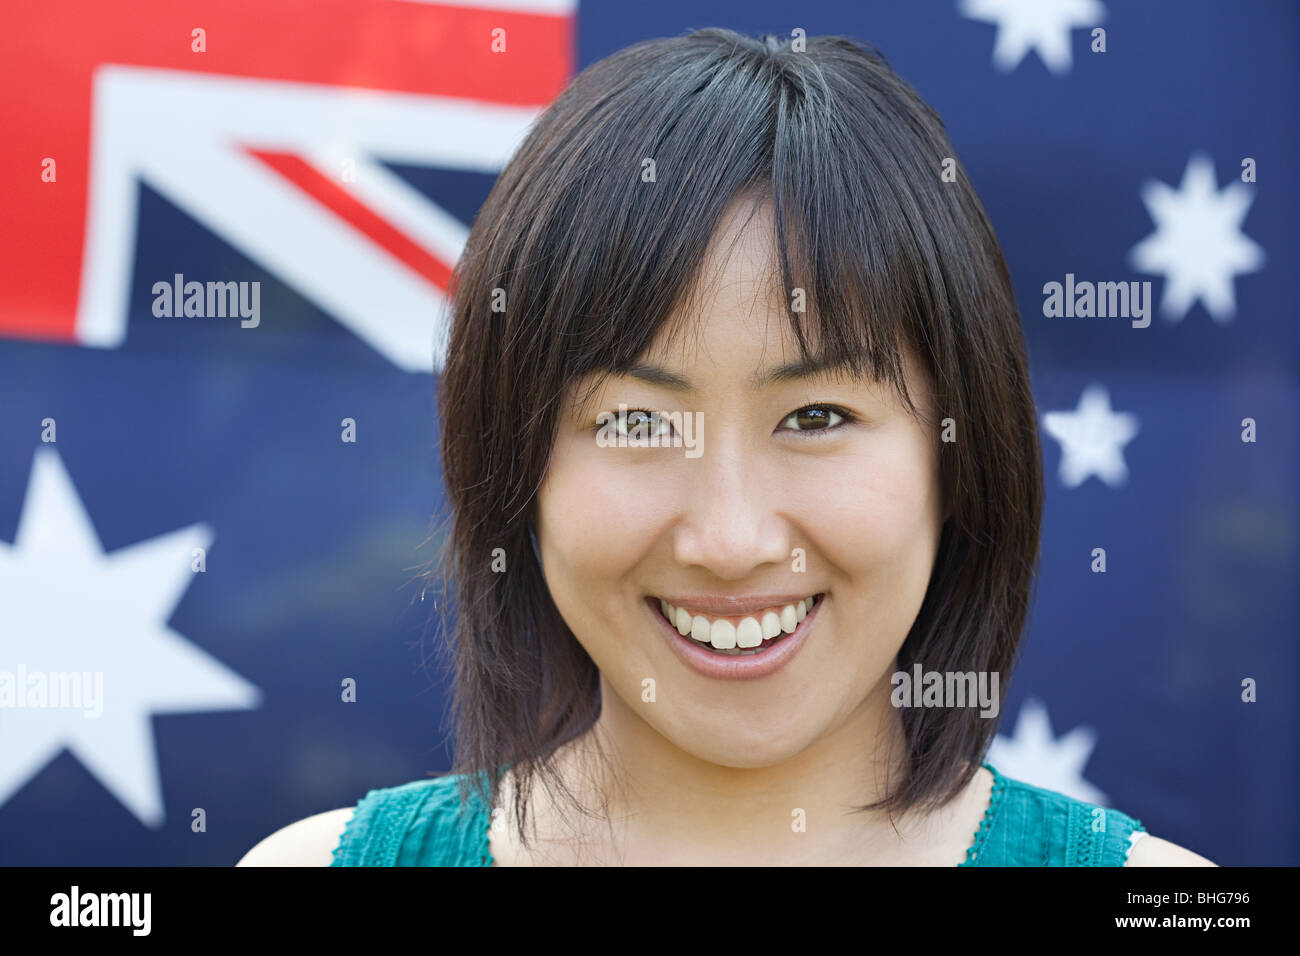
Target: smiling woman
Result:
[761, 241]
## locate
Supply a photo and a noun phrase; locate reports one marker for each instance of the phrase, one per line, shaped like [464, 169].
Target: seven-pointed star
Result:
[1198, 244]
[69, 612]
[1041, 25]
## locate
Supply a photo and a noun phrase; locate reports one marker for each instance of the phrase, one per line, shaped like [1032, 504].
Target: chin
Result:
[748, 751]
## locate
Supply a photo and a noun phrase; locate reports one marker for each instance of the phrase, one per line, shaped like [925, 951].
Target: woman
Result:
[739, 438]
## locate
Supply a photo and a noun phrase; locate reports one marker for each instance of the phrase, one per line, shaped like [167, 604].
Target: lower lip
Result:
[735, 667]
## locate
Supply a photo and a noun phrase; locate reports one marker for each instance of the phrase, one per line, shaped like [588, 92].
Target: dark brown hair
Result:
[592, 260]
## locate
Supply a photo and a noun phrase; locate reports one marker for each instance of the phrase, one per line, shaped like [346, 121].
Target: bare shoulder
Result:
[306, 842]
[1153, 851]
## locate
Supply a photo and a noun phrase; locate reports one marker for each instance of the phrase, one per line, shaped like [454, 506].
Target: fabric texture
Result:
[423, 823]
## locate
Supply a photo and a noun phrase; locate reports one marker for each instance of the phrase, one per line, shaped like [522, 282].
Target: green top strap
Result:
[1026, 825]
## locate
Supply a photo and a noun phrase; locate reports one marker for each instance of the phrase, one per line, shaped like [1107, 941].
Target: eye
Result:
[818, 419]
[815, 419]
[650, 423]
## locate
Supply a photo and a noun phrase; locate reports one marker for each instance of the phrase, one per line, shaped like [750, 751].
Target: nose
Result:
[732, 521]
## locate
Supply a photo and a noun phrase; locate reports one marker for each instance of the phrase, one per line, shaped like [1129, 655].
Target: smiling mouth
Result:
[749, 635]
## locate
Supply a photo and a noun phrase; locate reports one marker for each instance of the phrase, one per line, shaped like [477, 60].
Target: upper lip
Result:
[727, 605]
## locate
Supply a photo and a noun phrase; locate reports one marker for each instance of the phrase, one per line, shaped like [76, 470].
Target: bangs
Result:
[636, 187]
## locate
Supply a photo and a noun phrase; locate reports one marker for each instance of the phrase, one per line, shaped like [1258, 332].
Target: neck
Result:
[668, 806]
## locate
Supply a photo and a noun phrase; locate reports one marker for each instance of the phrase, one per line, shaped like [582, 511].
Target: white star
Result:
[1035, 757]
[1043, 25]
[66, 607]
[1092, 439]
[1198, 244]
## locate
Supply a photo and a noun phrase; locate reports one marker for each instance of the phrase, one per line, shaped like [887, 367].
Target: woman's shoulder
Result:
[1153, 851]
[420, 823]
[1028, 825]
[306, 842]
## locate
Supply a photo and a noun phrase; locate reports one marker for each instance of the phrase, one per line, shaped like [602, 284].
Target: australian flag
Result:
[228, 233]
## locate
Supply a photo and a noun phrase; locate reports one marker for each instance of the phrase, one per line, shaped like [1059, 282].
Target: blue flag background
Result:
[1165, 686]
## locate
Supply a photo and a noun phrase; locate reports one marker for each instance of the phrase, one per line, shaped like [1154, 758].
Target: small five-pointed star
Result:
[1092, 439]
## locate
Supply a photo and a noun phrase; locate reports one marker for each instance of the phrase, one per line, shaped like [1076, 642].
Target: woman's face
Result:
[782, 496]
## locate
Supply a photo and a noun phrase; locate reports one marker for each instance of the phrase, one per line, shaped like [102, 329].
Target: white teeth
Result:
[722, 635]
[749, 634]
[683, 621]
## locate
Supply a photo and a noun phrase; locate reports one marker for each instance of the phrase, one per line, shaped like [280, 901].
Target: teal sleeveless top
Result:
[423, 823]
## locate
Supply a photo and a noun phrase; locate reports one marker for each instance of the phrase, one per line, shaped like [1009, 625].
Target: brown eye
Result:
[652, 423]
[644, 419]
[815, 418]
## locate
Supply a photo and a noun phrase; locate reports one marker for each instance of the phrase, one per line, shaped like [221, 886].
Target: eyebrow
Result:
[791, 371]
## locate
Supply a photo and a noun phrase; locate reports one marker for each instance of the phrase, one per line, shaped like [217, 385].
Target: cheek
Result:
[599, 514]
[598, 520]
[881, 507]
